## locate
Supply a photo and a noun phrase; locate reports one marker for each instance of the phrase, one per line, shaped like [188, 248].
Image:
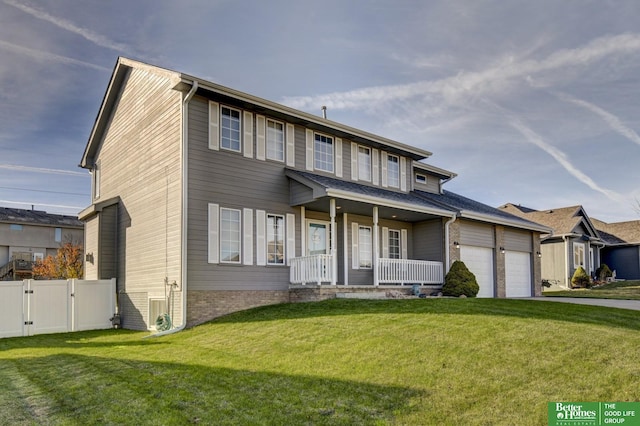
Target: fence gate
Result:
[32, 307]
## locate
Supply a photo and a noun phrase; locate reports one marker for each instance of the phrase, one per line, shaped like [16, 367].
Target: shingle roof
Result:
[619, 232]
[563, 220]
[37, 217]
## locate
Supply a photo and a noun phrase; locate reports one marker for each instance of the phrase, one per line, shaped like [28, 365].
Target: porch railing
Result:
[408, 271]
[315, 269]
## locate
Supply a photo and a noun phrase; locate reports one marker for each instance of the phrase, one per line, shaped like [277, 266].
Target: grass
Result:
[435, 361]
[629, 290]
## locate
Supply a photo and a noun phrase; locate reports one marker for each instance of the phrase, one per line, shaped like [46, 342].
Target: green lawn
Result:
[616, 290]
[407, 362]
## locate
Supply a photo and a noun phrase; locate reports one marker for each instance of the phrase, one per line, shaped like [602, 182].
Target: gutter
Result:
[184, 202]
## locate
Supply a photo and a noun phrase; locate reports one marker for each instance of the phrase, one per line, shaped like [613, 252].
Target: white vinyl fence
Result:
[32, 307]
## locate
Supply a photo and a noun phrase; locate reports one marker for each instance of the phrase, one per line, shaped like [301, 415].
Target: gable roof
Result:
[563, 221]
[37, 217]
[619, 232]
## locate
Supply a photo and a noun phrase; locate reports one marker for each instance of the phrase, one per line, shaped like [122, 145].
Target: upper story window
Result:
[393, 171]
[15, 227]
[421, 179]
[58, 235]
[230, 128]
[364, 163]
[275, 140]
[323, 153]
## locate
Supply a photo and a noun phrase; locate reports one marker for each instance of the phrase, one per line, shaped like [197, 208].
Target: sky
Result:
[529, 102]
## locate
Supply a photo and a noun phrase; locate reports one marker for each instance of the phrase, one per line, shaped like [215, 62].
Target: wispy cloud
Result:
[69, 26]
[614, 122]
[465, 84]
[34, 203]
[46, 56]
[19, 168]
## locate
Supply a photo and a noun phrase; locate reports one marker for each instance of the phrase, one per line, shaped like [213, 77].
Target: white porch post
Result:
[376, 255]
[333, 242]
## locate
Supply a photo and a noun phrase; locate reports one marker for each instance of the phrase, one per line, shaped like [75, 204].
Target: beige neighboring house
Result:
[30, 235]
[575, 241]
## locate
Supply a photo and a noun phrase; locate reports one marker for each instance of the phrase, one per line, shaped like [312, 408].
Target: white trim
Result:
[345, 247]
[354, 161]
[371, 247]
[309, 149]
[291, 237]
[338, 193]
[248, 134]
[303, 231]
[383, 169]
[327, 237]
[385, 242]
[284, 239]
[284, 142]
[213, 234]
[581, 247]
[355, 252]
[389, 156]
[240, 236]
[375, 165]
[403, 174]
[240, 119]
[261, 237]
[404, 252]
[247, 253]
[337, 152]
[260, 137]
[291, 145]
[214, 125]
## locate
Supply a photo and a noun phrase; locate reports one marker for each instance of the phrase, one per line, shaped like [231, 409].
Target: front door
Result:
[317, 237]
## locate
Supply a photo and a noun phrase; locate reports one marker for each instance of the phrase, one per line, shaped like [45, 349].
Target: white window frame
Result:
[223, 128]
[273, 144]
[326, 236]
[271, 255]
[364, 169]
[420, 178]
[95, 175]
[318, 162]
[393, 180]
[578, 255]
[392, 246]
[230, 241]
[365, 247]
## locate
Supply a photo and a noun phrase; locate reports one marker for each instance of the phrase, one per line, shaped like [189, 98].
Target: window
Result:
[230, 128]
[275, 140]
[365, 246]
[15, 227]
[96, 180]
[364, 163]
[578, 255]
[421, 179]
[394, 244]
[275, 239]
[323, 153]
[58, 235]
[393, 171]
[230, 235]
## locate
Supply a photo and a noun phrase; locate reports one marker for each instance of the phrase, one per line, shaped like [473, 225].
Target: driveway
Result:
[611, 303]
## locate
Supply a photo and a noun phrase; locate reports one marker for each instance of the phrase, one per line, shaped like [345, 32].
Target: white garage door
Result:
[479, 260]
[518, 274]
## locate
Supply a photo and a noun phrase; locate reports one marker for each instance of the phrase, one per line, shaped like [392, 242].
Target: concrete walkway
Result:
[611, 303]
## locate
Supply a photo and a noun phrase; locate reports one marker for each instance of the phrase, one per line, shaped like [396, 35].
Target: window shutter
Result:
[214, 231]
[247, 217]
[385, 242]
[338, 157]
[248, 134]
[403, 173]
[309, 138]
[291, 145]
[354, 161]
[261, 238]
[261, 123]
[403, 243]
[291, 237]
[375, 160]
[355, 258]
[383, 162]
[214, 128]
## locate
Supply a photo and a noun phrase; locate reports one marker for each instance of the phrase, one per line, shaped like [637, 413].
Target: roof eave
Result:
[503, 221]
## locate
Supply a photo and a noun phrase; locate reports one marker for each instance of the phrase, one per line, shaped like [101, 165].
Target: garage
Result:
[518, 274]
[479, 260]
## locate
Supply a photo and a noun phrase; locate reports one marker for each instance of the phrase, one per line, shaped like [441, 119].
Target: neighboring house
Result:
[575, 241]
[30, 235]
[207, 200]
[622, 251]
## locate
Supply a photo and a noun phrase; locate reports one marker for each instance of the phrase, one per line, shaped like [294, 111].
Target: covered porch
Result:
[357, 235]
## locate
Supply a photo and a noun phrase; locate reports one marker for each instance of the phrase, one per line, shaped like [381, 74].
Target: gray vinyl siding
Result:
[140, 157]
[476, 234]
[432, 185]
[232, 181]
[428, 240]
[518, 240]
[301, 147]
[553, 262]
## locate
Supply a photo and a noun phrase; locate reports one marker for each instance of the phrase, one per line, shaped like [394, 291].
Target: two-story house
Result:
[30, 235]
[207, 200]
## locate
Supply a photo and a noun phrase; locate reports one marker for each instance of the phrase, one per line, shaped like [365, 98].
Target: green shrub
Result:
[581, 278]
[603, 272]
[460, 281]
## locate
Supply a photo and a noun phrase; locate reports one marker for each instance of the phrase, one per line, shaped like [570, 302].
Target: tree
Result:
[66, 264]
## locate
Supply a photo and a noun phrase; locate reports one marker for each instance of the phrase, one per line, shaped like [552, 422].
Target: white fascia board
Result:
[500, 221]
[434, 169]
[386, 203]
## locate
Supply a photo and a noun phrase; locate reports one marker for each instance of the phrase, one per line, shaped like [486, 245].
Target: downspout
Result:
[447, 255]
[183, 225]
